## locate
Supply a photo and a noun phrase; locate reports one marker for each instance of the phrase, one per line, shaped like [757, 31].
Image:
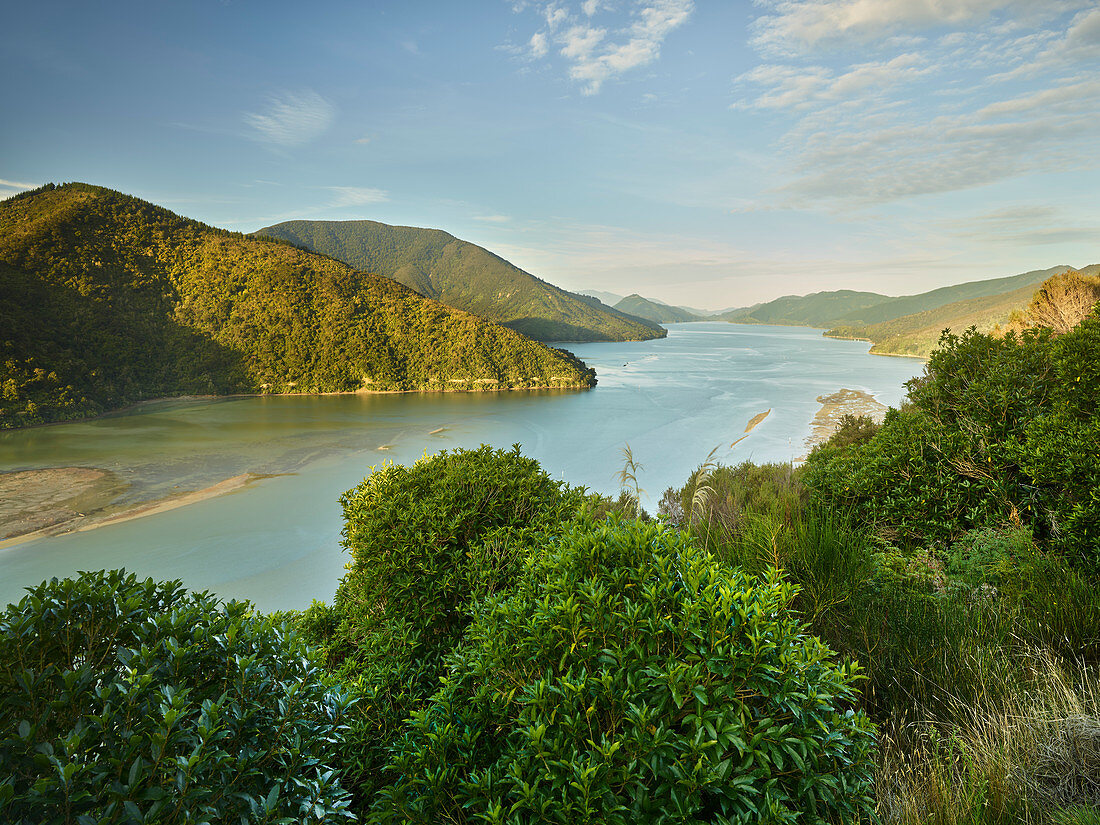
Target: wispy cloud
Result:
[492, 218]
[1028, 225]
[356, 196]
[594, 53]
[931, 113]
[13, 184]
[291, 118]
[794, 26]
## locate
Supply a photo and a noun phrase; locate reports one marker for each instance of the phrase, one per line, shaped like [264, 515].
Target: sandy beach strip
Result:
[48, 502]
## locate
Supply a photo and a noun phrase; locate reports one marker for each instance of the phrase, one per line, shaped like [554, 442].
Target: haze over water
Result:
[277, 542]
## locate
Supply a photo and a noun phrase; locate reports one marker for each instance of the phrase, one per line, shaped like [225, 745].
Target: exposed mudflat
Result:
[48, 502]
[55, 498]
[837, 405]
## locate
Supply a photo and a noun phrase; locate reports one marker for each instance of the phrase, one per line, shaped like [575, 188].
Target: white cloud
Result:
[492, 218]
[794, 26]
[538, 45]
[555, 16]
[12, 184]
[1023, 225]
[356, 195]
[927, 115]
[291, 119]
[596, 54]
[1077, 97]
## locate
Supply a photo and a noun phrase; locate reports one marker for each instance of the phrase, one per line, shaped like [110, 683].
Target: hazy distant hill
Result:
[654, 311]
[845, 307]
[936, 298]
[106, 300]
[465, 276]
[609, 298]
[821, 309]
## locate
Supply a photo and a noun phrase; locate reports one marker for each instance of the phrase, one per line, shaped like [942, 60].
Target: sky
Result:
[713, 153]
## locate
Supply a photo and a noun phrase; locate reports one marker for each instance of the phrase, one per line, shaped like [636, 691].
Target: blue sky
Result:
[708, 153]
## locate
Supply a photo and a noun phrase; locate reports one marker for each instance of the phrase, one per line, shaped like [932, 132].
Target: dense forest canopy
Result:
[466, 276]
[106, 300]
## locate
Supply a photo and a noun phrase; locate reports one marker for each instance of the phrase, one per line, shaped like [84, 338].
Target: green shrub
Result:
[1060, 450]
[632, 677]
[128, 701]
[999, 430]
[427, 543]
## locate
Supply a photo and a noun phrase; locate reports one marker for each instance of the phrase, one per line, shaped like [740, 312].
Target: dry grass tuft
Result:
[1027, 753]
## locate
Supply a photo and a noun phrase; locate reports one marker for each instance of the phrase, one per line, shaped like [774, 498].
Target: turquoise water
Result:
[277, 542]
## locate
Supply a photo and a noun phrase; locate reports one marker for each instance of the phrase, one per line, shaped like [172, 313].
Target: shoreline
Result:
[362, 391]
[872, 351]
[59, 494]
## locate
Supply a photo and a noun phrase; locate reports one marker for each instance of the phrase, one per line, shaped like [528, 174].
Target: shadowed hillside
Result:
[466, 276]
[106, 300]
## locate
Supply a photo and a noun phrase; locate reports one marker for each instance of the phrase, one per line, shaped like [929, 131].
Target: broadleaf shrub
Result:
[427, 542]
[632, 677]
[1000, 430]
[136, 701]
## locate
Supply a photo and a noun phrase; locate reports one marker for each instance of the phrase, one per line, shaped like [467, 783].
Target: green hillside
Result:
[821, 309]
[918, 334]
[661, 313]
[106, 300]
[465, 276]
[936, 298]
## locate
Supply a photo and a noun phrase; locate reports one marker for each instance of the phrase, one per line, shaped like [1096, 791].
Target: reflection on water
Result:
[277, 541]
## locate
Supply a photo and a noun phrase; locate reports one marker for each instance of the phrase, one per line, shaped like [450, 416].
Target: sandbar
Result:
[56, 500]
[756, 419]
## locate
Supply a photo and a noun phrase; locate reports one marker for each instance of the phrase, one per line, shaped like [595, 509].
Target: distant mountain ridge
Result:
[661, 313]
[609, 298]
[463, 275]
[918, 333]
[106, 300]
[845, 307]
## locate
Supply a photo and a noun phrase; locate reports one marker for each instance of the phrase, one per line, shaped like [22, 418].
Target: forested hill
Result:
[463, 275]
[106, 300]
[845, 307]
[661, 313]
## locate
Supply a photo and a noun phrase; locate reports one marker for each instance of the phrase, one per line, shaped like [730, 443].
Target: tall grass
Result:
[1026, 753]
[980, 659]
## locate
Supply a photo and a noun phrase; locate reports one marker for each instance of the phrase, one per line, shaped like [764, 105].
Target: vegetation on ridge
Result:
[463, 275]
[106, 300]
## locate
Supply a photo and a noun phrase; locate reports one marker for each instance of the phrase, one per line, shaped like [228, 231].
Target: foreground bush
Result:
[427, 542]
[135, 701]
[631, 677]
[999, 431]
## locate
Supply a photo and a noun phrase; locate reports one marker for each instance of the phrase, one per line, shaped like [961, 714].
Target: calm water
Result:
[277, 542]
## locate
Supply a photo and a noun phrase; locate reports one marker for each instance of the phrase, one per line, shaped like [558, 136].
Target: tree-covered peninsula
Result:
[466, 276]
[107, 300]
